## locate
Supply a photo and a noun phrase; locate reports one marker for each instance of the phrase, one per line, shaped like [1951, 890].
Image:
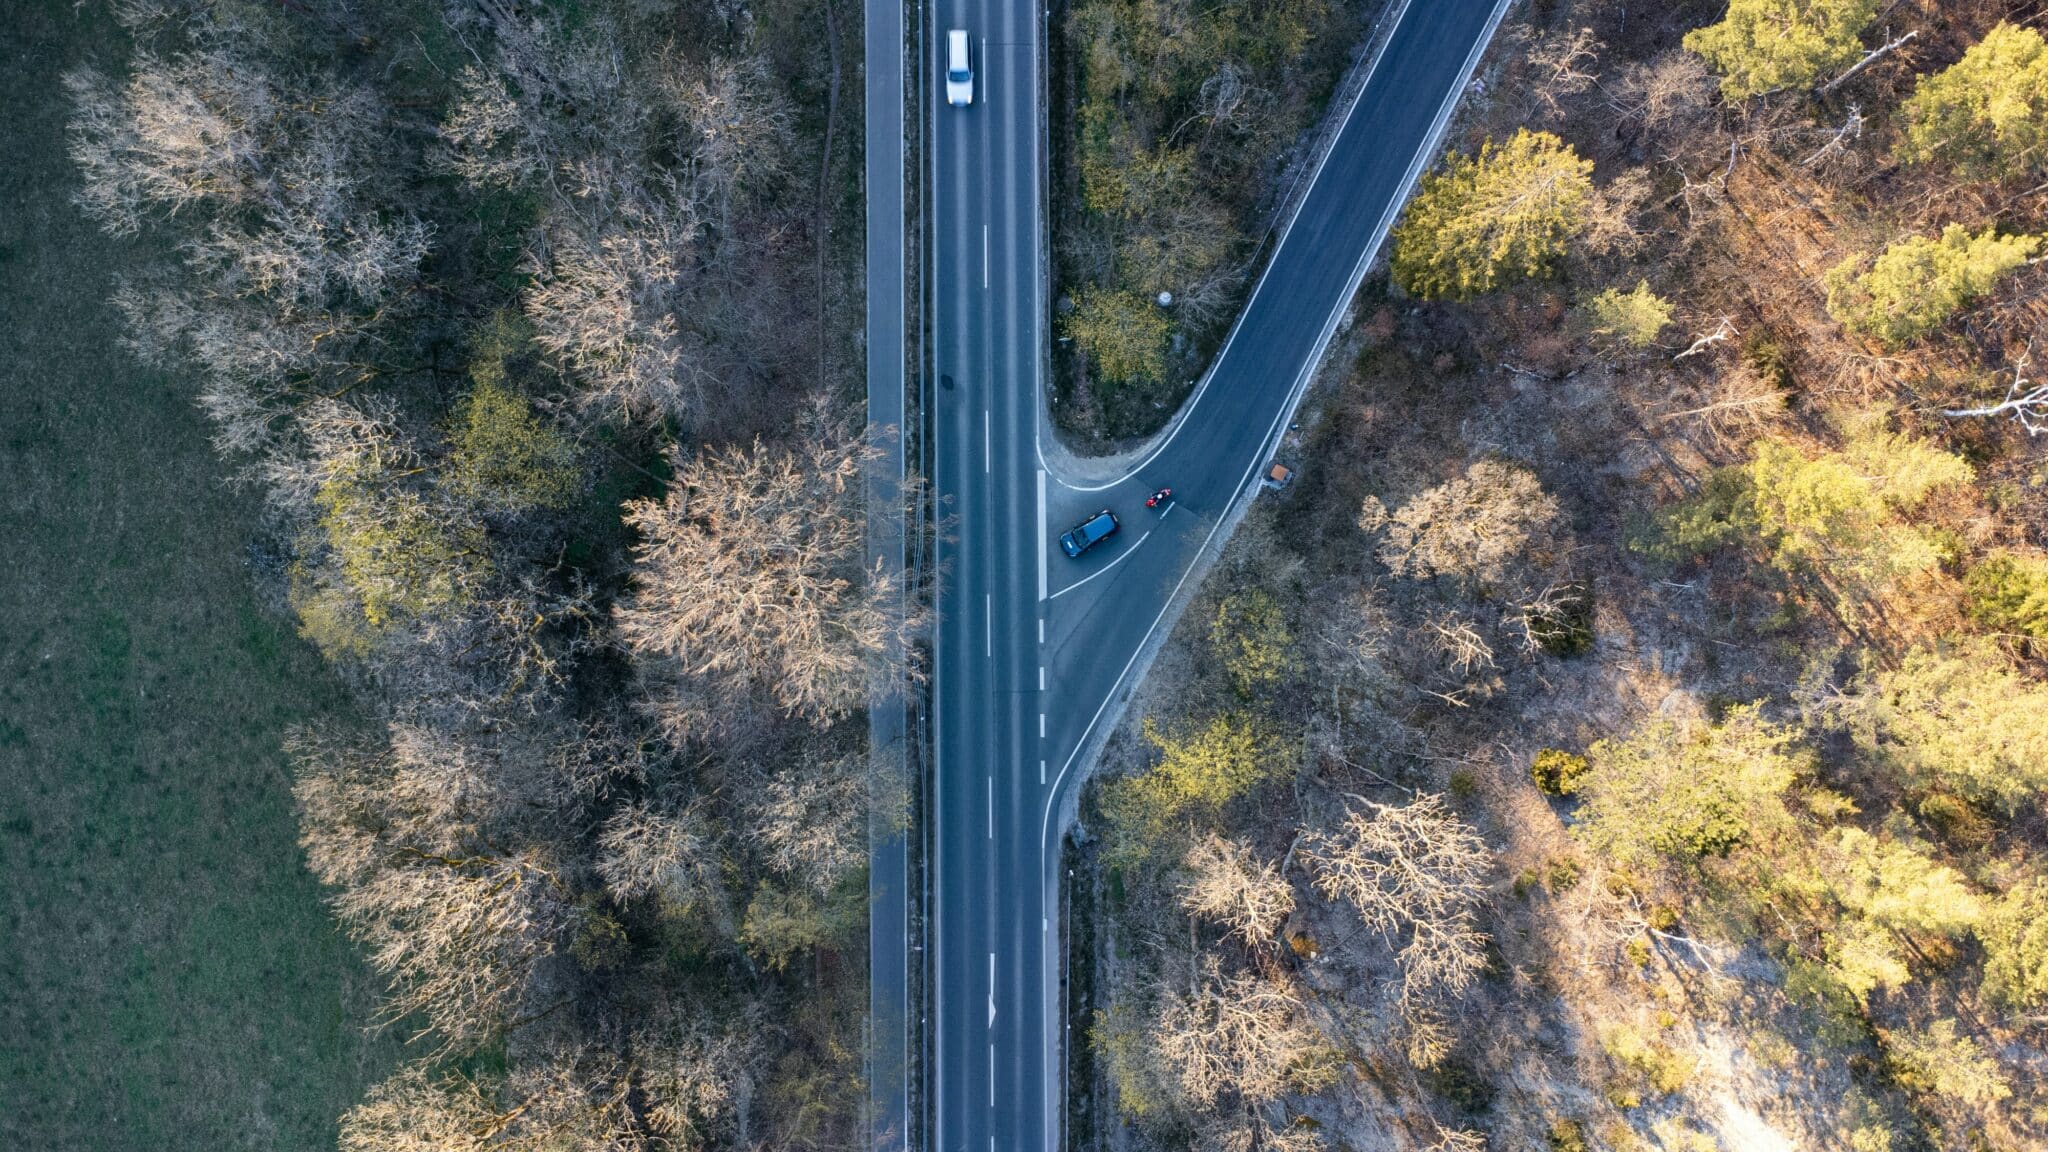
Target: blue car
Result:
[1090, 532]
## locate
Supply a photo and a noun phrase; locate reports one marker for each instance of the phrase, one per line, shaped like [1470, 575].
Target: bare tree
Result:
[457, 928]
[459, 939]
[810, 820]
[292, 249]
[1254, 1131]
[1732, 405]
[1229, 885]
[605, 302]
[645, 851]
[1413, 871]
[417, 1111]
[1561, 66]
[1666, 91]
[1458, 641]
[1473, 528]
[578, 1096]
[1541, 615]
[489, 143]
[1353, 632]
[748, 578]
[739, 130]
[694, 1076]
[1240, 1035]
[364, 804]
[181, 132]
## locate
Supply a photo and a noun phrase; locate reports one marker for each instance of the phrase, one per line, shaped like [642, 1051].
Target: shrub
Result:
[1568, 1136]
[1561, 873]
[1557, 772]
[1956, 820]
[1633, 318]
[504, 457]
[1123, 333]
[1251, 638]
[1461, 1085]
[1653, 1063]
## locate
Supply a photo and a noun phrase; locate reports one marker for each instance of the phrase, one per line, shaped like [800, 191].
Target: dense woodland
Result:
[1631, 732]
[533, 325]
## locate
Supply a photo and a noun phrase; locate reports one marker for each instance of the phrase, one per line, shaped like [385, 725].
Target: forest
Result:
[1630, 731]
[532, 329]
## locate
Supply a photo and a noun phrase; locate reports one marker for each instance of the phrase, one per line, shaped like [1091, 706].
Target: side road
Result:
[888, 1077]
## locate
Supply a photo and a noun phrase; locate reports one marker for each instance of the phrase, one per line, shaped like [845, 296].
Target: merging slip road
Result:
[1035, 652]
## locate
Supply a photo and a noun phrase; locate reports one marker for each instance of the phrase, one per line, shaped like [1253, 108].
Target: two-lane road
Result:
[988, 1020]
[1035, 653]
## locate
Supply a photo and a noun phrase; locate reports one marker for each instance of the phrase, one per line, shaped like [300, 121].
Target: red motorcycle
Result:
[1158, 498]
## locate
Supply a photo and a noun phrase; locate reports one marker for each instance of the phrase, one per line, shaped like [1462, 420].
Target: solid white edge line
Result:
[1040, 548]
[1125, 555]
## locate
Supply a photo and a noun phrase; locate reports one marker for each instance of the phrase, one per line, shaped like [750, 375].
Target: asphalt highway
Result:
[1035, 653]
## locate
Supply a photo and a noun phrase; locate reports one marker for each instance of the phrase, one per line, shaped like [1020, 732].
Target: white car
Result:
[959, 70]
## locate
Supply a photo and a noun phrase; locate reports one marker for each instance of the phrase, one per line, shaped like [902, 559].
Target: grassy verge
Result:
[169, 977]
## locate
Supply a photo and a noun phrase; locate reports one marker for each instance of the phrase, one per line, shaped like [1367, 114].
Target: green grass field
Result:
[169, 976]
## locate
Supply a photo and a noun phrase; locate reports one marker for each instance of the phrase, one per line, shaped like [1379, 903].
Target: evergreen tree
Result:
[1836, 516]
[1987, 114]
[1683, 792]
[1959, 719]
[1899, 888]
[1762, 46]
[2015, 936]
[1485, 223]
[1918, 283]
[1943, 1061]
[2008, 592]
[1201, 768]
